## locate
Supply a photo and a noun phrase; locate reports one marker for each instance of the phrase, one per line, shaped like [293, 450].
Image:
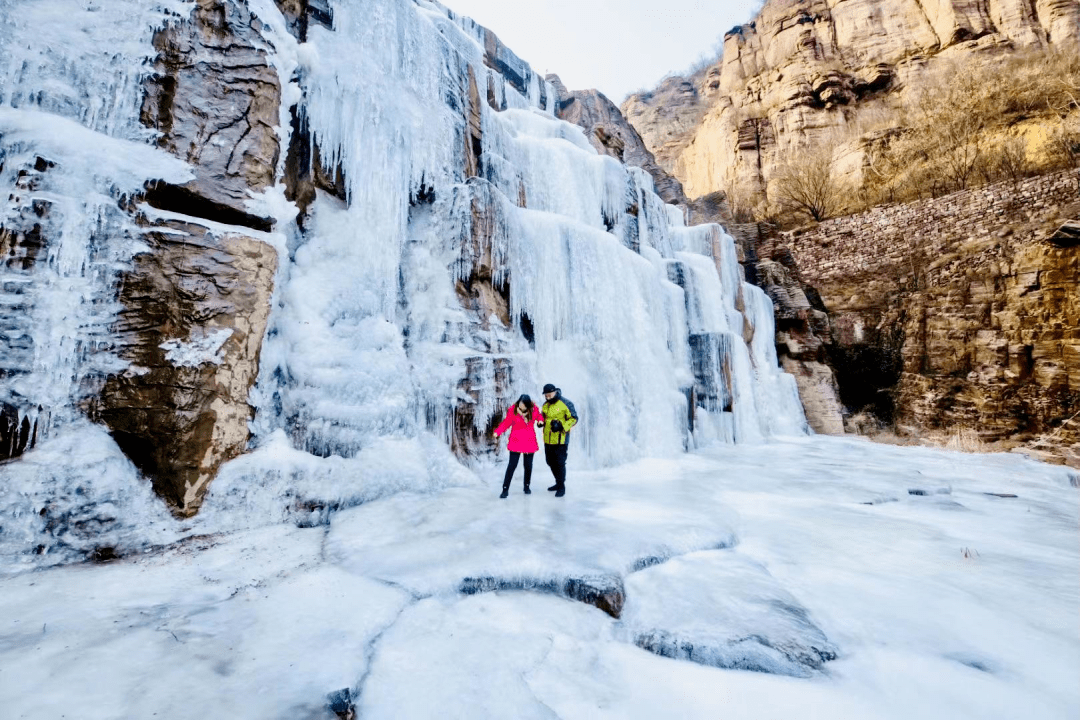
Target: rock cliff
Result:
[805, 68]
[975, 326]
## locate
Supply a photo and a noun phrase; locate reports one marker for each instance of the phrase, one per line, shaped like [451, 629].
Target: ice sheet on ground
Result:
[46, 519]
[718, 608]
[605, 527]
[923, 629]
[255, 625]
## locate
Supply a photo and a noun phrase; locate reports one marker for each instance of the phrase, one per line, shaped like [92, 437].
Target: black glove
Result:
[556, 426]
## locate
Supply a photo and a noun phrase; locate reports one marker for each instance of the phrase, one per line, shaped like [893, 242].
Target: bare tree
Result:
[807, 185]
[1010, 161]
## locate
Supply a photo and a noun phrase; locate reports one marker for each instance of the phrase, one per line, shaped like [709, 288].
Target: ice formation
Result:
[834, 555]
[864, 581]
[373, 357]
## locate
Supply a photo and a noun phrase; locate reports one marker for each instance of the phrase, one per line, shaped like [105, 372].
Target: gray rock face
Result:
[611, 134]
[215, 100]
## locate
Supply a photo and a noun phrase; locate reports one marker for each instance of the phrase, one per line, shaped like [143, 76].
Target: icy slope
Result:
[953, 605]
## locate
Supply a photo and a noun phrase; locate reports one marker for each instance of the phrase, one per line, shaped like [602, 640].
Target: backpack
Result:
[570, 407]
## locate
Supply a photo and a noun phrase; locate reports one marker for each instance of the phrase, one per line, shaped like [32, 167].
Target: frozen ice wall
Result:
[480, 233]
[69, 96]
[474, 248]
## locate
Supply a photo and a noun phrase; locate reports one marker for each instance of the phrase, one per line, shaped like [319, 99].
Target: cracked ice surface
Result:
[831, 551]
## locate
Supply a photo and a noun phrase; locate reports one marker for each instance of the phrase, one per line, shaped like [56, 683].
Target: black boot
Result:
[553, 488]
[505, 492]
[560, 492]
[527, 490]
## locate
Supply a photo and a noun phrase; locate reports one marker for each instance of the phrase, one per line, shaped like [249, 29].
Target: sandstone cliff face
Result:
[667, 117]
[805, 68]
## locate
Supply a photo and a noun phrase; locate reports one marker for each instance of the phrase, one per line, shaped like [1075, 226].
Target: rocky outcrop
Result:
[803, 338]
[611, 134]
[667, 117]
[975, 326]
[805, 68]
[196, 308]
[215, 100]
[196, 302]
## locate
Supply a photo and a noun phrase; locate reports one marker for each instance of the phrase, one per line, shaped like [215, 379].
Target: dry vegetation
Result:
[969, 123]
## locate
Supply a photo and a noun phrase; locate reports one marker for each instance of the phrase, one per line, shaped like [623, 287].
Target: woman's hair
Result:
[528, 403]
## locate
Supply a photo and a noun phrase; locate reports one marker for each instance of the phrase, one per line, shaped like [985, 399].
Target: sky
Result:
[615, 46]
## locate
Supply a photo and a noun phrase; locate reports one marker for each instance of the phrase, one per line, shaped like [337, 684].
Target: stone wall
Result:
[959, 311]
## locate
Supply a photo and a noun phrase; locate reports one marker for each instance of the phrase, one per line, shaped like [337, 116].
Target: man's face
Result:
[549, 396]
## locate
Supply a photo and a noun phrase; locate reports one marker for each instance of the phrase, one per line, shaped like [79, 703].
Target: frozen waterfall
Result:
[476, 248]
[579, 246]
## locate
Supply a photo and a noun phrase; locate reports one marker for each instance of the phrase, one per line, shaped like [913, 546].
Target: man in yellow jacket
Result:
[559, 417]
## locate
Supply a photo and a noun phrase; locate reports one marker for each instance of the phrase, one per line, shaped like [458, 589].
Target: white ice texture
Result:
[743, 573]
[371, 355]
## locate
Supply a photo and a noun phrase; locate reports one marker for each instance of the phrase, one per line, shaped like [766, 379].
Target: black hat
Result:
[549, 388]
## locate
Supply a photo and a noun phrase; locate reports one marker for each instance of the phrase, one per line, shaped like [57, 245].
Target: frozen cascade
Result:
[558, 224]
[73, 101]
[479, 249]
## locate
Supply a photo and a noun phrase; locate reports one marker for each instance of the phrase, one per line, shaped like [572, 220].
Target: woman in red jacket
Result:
[521, 419]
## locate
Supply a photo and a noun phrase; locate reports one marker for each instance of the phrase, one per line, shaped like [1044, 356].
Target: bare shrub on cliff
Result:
[1008, 160]
[806, 184]
[957, 128]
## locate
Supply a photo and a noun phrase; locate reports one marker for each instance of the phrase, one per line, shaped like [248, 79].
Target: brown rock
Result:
[181, 411]
[215, 99]
[804, 68]
[959, 323]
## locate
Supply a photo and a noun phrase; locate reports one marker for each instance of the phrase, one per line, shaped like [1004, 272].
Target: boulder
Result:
[196, 306]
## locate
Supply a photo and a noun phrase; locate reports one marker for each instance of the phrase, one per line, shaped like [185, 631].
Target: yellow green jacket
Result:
[556, 410]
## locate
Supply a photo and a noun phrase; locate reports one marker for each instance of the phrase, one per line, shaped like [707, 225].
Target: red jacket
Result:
[522, 431]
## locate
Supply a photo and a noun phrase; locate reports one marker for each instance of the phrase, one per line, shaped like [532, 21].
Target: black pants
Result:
[555, 455]
[514, 457]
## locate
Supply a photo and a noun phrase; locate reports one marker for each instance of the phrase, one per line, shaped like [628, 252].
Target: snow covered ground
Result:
[815, 577]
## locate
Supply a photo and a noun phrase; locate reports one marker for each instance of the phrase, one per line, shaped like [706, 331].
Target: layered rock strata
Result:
[975, 326]
[805, 68]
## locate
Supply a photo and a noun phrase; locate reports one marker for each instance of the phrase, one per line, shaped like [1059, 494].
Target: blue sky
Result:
[616, 46]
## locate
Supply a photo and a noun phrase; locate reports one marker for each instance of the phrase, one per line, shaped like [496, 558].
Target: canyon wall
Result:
[804, 69]
[960, 311]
